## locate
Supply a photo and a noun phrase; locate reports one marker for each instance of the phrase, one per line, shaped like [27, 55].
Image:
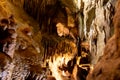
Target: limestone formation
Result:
[108, 66]
[56, 39]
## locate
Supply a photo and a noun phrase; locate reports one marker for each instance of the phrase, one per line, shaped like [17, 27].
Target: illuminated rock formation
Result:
[62, 41]
[108, 66]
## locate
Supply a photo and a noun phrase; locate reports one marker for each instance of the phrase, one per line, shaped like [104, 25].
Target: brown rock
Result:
[108, 66]
[4, 60]
[50, 78]
[8, 36]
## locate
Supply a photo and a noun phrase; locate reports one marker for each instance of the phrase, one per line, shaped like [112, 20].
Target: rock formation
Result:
[91, 20]
[56, 39]
[8, 38]
[108, 66]
[7, 46]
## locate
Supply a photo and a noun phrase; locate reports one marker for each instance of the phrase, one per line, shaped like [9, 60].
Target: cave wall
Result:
[94, 19]
[108, 66]
[91, 21]
[19, 48]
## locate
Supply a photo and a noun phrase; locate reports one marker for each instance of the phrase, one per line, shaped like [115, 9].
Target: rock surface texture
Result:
[56, 39]
[108, 66]
[94, 19]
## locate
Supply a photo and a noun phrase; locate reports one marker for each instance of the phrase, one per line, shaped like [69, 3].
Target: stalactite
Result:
[90, 21]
